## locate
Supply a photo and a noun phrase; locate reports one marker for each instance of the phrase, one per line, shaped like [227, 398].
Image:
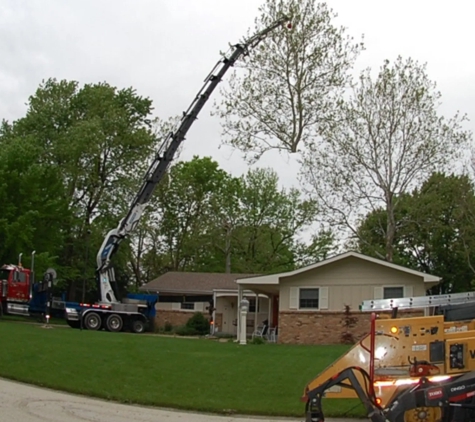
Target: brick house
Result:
[307, 305]
[180, 294]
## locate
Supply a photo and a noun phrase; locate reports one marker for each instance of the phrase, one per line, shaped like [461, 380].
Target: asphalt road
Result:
[24, 403]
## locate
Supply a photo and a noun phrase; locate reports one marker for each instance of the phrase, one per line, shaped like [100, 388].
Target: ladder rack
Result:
[417, 302]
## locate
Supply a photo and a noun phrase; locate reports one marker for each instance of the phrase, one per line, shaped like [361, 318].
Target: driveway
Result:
[24, 403]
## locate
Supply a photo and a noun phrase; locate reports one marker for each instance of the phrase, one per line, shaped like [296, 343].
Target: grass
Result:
[191, 374]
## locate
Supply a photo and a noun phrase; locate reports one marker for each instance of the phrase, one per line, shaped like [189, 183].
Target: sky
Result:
[165, 49]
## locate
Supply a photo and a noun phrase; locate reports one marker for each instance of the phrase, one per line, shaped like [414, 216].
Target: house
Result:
[307, 305]
[180, 294]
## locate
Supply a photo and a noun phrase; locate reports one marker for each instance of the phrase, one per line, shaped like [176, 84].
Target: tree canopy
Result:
[435, 230]
[285, 92]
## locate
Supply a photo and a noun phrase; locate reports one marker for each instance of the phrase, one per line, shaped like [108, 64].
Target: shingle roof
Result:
[191, 282]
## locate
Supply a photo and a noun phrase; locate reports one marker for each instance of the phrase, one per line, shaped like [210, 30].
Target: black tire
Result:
[114, 323]
[92, 321]
[138, 326]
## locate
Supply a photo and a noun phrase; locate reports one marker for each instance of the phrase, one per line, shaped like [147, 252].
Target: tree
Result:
[387, 138]
[291, 82]
[266, 237]
[206, 220]
[98, 139]
[33, 204]
[435, 230]
[182, 211]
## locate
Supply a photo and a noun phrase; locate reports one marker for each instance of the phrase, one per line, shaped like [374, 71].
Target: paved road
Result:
[24, 403]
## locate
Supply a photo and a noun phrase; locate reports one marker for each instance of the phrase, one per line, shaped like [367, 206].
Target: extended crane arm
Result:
[162, 160]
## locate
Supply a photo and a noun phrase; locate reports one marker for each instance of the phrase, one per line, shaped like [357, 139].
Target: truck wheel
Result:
[92, 321]
[138, 326]
[114, 323]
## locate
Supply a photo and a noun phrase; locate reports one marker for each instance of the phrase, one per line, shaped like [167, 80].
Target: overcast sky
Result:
[165, 48]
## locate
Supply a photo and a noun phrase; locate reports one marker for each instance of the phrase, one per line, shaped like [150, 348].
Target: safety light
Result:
[394, 330]
[378, 401]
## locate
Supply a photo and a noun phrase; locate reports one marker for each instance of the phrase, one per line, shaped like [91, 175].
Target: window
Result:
[188, 306]
[308, 298]
[393, 292]
[252, 305]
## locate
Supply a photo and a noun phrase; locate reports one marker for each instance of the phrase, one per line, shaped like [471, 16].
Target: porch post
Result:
[269, 311]
[238, 313]
[255, 311]
[214, 313]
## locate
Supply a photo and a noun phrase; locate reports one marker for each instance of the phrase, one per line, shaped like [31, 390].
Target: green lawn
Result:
[195, 374]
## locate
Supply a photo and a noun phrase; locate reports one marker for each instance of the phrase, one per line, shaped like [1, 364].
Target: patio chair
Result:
[261, 331]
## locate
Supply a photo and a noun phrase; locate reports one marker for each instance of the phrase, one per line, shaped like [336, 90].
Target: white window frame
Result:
[294, 298]
[187, 309]
[398, 286]
[378, 291]
[309, 288]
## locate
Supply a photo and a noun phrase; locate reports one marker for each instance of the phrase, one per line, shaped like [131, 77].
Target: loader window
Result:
[393, 292]
[308, 298]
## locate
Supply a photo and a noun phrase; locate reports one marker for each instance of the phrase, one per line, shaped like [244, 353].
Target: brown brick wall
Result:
[175, 318]
[322, 327]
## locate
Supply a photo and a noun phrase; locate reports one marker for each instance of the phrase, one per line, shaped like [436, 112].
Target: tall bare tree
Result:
[290, 83]
[386, 138]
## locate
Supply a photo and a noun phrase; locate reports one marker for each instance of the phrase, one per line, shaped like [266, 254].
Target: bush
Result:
[168, 327]
[185, 331]
[198, 323]
[257, 340]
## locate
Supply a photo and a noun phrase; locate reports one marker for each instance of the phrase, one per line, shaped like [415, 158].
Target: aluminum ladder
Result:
[417, 302]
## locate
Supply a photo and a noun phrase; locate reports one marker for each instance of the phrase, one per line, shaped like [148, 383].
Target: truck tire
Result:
[114, 323]
[138, 326]
[92, 321]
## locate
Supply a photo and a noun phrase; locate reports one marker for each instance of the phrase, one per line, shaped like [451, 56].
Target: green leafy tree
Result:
[435, 230]
[386, 139]
[33, 206]
[286, 90]
[98, 139]
[206, 220]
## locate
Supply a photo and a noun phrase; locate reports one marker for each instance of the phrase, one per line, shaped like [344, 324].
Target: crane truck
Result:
[407, 369]
[109, 313]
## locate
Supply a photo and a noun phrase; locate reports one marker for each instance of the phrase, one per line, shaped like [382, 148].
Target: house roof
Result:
[274, 278]
[192, 283]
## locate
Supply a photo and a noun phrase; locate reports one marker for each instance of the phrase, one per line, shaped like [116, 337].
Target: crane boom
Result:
[164, 156]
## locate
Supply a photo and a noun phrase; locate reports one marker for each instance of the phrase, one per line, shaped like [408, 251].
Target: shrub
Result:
[168, 327]
[257, 340]
[185, 331]
[348, 321]
[198, 323]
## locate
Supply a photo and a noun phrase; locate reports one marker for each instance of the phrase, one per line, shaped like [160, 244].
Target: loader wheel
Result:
[423, 414]
[114, 323]
[92, 321]
[138, 326]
